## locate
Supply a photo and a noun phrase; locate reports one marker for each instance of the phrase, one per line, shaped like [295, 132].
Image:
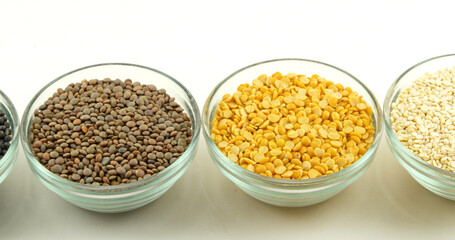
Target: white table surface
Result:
[200, 43]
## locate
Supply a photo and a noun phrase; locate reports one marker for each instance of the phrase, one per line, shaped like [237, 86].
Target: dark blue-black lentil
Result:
[5, 134]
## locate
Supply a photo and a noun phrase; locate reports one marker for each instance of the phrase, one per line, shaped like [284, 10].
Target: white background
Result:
[200, 43]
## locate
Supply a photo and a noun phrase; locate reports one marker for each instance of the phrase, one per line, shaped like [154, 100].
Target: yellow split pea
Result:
[293, 126]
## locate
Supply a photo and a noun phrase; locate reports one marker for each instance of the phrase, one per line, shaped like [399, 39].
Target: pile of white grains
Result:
[423, 118]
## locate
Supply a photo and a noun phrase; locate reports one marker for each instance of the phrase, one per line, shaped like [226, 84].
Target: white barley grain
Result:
[423, 118]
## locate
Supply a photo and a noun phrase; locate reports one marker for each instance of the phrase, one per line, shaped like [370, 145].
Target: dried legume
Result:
[293, 126]
[109, 132]
[423, 118]
[5, 134]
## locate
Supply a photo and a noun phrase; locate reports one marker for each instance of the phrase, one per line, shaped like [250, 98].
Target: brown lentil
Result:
[293, 126]
[109, 132]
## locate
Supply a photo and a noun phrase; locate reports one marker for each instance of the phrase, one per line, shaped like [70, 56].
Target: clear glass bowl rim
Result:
[326, 179]
[388, 101]
[115, 189]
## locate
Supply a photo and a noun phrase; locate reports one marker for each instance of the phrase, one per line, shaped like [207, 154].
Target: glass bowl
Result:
[289, 192]
[7, 162]
[124, 197]
[438, 181]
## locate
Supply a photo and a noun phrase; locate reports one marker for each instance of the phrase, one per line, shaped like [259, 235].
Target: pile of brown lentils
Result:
[109, 132]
